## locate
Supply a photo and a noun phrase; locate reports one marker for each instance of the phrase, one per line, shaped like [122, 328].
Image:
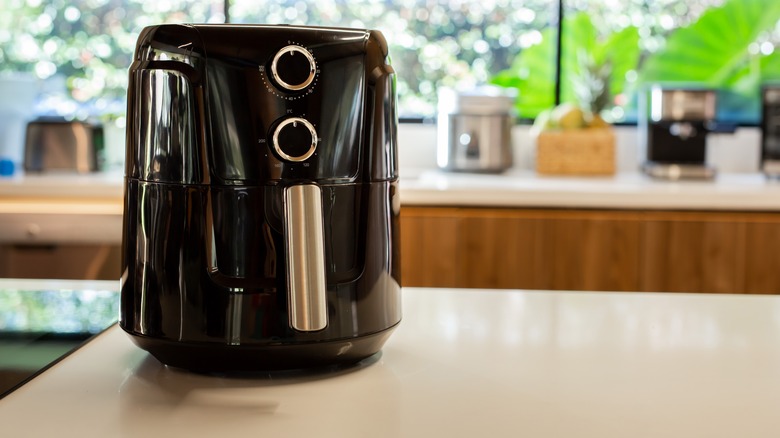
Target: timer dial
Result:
[293, 68]
[295, 139]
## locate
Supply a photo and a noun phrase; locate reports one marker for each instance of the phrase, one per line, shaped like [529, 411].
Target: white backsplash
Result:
[729, 153]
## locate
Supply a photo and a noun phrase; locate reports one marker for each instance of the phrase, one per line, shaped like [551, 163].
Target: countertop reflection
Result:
[462, 363]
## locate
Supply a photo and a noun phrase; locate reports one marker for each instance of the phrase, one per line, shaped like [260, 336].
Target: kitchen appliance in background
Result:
[62, 145]
[261, 204]
[673, 128]
[475, 129]
[20, 92]
[770, 130]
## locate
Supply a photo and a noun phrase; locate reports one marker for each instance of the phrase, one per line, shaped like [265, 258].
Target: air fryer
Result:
[261, 197]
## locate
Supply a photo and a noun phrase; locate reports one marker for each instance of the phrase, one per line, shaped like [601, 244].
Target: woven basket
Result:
[578, 152]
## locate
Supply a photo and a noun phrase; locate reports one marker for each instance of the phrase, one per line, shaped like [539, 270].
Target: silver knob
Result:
[293, 68]
[295, 139]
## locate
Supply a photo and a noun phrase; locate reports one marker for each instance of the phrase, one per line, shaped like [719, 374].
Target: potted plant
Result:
[573, 138]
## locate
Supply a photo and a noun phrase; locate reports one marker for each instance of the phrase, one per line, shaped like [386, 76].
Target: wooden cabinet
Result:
[429, 247]
[692, 253]
[529, 249]
[590, 250]
[761, 261]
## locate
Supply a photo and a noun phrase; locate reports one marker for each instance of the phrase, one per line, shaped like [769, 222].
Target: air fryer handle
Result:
[307, 301]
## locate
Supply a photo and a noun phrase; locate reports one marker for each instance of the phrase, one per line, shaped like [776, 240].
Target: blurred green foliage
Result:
[533, 71]
[89, 43]
[727, 45]
[59, 311]
[433, 43]
[727, 48]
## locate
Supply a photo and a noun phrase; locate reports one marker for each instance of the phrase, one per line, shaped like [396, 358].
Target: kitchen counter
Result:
[522, 188]
[514, 188]
[462, 363]
[61, 208]
[94, 185]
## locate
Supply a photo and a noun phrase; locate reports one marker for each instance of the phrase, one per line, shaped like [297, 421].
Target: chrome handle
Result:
[306, 286]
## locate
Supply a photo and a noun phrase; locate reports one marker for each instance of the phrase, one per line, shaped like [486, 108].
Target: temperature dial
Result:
[295, 139]
[293, 68]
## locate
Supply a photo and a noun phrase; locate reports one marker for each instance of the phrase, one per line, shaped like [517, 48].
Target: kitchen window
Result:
[727, 45]
[82, 48]
[433, 43]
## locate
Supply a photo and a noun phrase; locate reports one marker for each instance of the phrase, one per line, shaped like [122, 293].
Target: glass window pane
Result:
[433, 43]
[86, 45]
[728, 45]
[70, 57]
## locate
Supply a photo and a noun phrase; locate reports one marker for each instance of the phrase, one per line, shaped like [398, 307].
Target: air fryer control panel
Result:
[295, 139]
[264, 104]
[293, 68]
[293, 74]
[303, 96]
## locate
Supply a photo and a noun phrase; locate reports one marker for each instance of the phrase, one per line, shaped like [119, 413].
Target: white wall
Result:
[729, 153]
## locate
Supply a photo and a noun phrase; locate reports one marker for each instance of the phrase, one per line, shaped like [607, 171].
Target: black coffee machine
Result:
[261, 197]
[673, 128]
[770, 130]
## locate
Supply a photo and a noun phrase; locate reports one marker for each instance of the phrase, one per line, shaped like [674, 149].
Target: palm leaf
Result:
[533, 70]
[714, 48]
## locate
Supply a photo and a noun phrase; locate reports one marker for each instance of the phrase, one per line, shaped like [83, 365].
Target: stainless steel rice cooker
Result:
[475, 129]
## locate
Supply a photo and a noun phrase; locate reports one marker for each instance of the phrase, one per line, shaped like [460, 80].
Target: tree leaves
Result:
[533, 70]
[533, 74]
[714, 49]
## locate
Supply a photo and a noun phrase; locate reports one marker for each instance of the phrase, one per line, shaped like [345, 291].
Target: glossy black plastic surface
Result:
[204, 258]
[665, 147]
[770, 122]
[206, 264]
[217, 78]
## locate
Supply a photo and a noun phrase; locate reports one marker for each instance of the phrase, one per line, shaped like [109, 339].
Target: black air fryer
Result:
[261, 202]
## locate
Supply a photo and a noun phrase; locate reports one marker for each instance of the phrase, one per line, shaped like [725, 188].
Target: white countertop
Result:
[522, 188]
[67, 208]
[63, 185]
[514, 188]
[463, 363]
[61, 208]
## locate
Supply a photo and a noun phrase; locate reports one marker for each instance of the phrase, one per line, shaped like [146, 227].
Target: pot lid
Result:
[482, 100]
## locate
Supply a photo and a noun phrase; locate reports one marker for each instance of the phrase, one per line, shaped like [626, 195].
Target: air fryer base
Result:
[222, 358]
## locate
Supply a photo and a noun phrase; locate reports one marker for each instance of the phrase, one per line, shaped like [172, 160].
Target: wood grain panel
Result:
[72, 261]
[659, 251]
[429, 248]
[762, 258]
[593, 253]
[534, 249]
[686, 254]
[502, 252]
